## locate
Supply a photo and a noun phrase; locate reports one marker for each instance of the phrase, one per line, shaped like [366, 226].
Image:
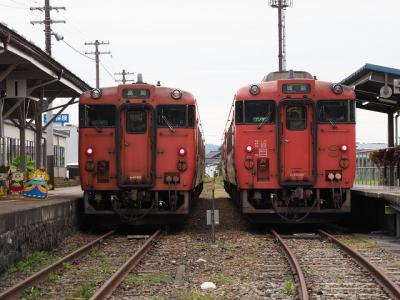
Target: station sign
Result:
[61, 118]
[396, 86]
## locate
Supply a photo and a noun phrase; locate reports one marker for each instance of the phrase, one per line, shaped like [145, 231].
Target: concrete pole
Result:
[50, 148]
[398, 224]
[38, 135]
[22, 126]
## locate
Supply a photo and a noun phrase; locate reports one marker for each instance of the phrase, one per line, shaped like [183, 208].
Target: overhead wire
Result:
[108, 72]
[77, 51]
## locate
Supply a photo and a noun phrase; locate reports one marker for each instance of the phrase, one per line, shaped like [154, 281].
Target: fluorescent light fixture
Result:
[364, 102]
[387, 100]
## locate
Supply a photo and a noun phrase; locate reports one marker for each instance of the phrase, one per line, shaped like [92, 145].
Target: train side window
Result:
[97, 116]
[191, 111]
[336, 111]
[136, 121]
[296, 117]
[176, 115]
[259, 111]
[239, 112]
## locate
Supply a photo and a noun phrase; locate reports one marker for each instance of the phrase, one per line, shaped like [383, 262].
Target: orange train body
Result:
[141, 152]
[289, 149]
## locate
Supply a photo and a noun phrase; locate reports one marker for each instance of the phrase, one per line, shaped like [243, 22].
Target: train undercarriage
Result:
[141, 206]
[291, 204]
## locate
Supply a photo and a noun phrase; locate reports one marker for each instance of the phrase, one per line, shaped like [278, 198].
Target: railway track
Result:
[325, 267]
[106, 289]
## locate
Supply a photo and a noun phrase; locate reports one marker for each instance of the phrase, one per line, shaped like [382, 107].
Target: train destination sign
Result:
[296, 88]
[136, 93]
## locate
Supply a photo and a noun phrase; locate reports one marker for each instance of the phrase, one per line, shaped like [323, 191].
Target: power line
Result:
[9, 6]
[19, 3]
[108, 72]
[77, 51]
[97, 54]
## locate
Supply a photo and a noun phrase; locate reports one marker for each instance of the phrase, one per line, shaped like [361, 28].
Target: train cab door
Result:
[297, 155]
[137, 146]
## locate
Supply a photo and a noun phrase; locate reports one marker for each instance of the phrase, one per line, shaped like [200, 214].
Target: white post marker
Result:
[213, 214]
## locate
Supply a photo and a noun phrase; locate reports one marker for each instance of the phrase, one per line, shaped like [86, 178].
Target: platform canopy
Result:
[375, 88]
[27, 69]
[30, 80]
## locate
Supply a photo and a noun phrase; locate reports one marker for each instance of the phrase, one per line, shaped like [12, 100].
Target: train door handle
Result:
[285, 140]
[126, 144]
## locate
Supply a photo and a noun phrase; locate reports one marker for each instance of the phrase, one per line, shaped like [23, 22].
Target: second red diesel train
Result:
[289, 149]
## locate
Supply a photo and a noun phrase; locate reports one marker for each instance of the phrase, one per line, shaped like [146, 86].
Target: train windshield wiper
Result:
[98, 129]
[266, 119]
[332, 123]
[168, 124]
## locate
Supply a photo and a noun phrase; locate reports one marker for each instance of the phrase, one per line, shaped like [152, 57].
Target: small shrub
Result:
[288, 288]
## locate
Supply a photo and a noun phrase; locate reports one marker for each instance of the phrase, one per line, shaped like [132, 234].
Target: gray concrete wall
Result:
[40, 228]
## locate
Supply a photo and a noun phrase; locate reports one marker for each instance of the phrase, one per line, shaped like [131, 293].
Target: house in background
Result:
[213, 159]
[10, 144]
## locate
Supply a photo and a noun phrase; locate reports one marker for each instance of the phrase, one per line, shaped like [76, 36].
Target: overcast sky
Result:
[213, 47]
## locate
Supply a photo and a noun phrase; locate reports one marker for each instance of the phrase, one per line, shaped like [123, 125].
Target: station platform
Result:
[31, 225]
[390, 195]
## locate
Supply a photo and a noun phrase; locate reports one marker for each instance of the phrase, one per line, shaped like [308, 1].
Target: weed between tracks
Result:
[86, 291]
[288, 288]
[193, 295]
[37, 259]
[147, 279]
[356, 243]
[33, 294]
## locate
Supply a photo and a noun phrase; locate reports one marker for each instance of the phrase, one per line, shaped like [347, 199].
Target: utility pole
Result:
[124, 73]
[47, 8]
[281, 5]
[47, 22]
[96, 53]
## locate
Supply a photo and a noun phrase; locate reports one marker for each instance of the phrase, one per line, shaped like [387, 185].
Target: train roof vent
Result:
[286, 75]
[139, 78]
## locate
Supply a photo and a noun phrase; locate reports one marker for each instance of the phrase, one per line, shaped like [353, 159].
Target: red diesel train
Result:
[289, 149]
[141, 152]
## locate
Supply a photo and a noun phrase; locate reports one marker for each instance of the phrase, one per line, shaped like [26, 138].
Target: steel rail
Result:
[296, 269]
[16, 291]
[115, 280]
[388, 285]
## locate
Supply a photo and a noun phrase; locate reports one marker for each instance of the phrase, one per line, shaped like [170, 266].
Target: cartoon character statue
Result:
[37, 186]
[16, 185]
[3, 180]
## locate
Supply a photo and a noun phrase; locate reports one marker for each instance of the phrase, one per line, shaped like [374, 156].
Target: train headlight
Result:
[95, 94]
[181, 152]
[254, 89]
[338, 176]
[337, 88]
[89, 151]
[344, 148]
[331, 176]
[176, 94]
[249, 149]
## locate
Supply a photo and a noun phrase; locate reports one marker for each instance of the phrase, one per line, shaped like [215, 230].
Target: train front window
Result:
[336, 111]
[136, 121]
[255, 112]
[176, 116]
[97, 116]
[296, 117]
